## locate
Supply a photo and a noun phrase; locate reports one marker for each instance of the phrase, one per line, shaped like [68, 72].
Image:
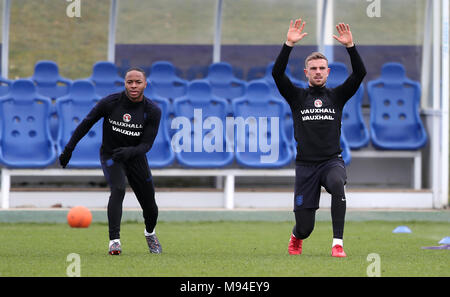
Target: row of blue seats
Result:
[166, 83]
[394, 115]
[26, 140]
[395, 121]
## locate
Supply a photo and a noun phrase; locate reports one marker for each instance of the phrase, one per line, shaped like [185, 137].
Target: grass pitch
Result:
[222, 249]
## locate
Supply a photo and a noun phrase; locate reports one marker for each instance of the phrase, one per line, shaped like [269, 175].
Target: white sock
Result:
[148, 234]
[112, 241]
[337, 241]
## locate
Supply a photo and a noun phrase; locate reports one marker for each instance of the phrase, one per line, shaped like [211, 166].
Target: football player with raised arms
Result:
[317, 115]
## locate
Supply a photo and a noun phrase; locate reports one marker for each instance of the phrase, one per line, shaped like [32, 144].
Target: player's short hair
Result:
[315, 56]
[136, 69]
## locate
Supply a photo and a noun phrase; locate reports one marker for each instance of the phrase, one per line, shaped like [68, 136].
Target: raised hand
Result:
[345, 35]
[295, 34]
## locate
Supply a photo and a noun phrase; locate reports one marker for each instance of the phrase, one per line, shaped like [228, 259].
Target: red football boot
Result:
[338, 251]
[295, 246]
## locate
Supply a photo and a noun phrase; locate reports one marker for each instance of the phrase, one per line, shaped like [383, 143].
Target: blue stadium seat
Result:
[106, 79]
[161, 154]
[149, 92]
[200, 140]
[256, 72]
[394, 110]
[223, 82]
[195, 72]
[354, 128]
[4, 85]
[346, 153]
[165, 82]
[25, 133]
[48, 81]
[256, 144]
[288, 121]
[72, 109]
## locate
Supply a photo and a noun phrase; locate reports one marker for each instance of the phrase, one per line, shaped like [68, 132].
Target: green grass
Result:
[225, 248]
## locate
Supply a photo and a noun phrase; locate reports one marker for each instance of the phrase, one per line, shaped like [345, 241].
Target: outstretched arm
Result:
[352, 83]
[284, 84]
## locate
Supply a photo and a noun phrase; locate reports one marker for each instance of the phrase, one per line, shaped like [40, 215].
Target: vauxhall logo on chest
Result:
[318, 103]
[124, 126]
[127, 117]
[318, 113]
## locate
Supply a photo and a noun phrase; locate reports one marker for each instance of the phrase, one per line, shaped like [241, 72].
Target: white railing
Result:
[228, 174]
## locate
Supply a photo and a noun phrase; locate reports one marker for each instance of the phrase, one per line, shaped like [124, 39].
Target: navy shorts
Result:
[310, 177]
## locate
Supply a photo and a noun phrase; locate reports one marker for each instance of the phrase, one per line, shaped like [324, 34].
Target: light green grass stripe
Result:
[59, 216]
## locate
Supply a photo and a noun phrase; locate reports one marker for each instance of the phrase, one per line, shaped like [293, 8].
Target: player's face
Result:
[317, 72]
[135, 84]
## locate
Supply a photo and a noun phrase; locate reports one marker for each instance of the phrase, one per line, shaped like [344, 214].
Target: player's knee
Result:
[302, 232]
[117, 193]
[335, 185]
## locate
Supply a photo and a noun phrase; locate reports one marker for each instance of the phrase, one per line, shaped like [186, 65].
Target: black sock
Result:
[115, 212]
[338, 207]
[304, 223]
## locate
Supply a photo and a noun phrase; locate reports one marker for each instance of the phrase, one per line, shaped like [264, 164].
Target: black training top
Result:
[317, 111]
[125, 124]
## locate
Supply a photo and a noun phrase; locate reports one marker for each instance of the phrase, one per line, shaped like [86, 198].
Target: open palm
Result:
[345, 35]
[295, 32]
